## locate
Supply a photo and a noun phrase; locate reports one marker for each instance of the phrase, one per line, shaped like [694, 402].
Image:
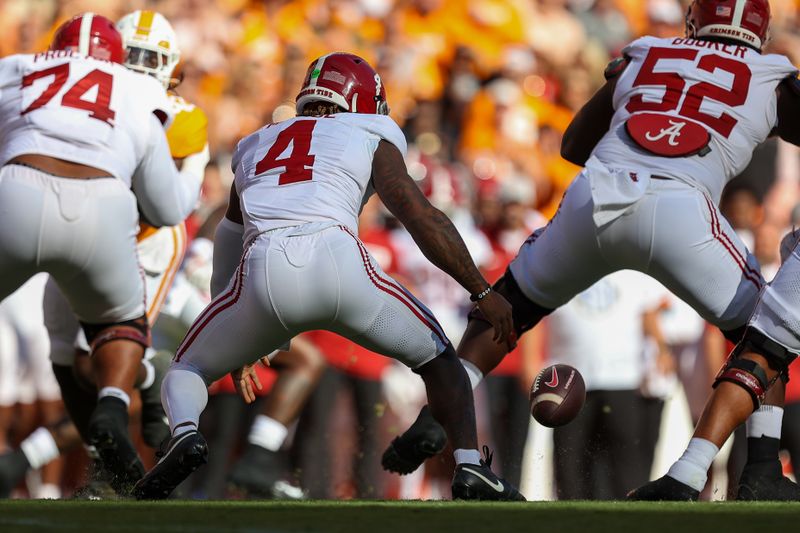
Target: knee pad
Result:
[777, 356]
[136, 330]
[750, 375]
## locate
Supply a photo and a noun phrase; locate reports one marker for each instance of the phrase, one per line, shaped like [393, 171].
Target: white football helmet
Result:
[151, 45]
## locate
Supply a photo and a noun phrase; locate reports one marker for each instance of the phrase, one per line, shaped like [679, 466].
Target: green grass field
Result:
[390, 517]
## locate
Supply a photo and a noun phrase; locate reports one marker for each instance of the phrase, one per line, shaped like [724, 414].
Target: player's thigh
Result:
[697, 255]
[107, 285]
[563, 258]
[381, 315]
[22, 198]
[238, 327]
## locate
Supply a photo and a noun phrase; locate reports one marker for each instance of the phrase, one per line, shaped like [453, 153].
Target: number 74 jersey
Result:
[309, 169]
[692, 109]
[80, 109]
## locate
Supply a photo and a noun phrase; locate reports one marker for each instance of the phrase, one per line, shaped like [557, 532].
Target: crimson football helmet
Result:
[345, 80]
[746, 21]
[90, 35]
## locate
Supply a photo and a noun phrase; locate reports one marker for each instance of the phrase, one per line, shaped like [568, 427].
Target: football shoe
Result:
[185, 453]
[664, 489]
[424, 439]
[478, 482]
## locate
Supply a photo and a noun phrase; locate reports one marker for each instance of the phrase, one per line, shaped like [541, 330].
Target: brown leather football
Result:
[557, 395]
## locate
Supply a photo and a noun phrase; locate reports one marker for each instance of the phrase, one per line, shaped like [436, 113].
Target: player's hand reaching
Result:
[245, 381]
[497, 311]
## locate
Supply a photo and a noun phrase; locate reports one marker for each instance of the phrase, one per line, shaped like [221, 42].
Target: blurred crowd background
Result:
[484, 90]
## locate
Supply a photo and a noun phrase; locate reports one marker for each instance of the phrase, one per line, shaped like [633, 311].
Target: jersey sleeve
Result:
[188, 133]
[388, 130]
[639, 47]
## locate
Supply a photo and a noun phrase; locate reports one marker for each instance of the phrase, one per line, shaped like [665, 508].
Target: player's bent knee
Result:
[526, 313]
[749, 374]
[448, 354]
[136, 330]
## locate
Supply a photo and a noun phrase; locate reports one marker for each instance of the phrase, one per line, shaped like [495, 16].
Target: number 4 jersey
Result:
[692, 109]
[309, 169]
[76, 108]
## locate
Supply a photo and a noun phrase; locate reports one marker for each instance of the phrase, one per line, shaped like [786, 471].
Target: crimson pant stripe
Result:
[749, 273]
[223, 302]
[411, 305]
[393, 284]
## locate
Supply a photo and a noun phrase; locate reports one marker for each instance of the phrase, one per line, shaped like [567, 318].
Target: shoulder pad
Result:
[616, 67]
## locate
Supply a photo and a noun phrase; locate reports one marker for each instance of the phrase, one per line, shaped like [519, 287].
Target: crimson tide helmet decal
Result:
[346, 80]
[745, 21]
[91, 35]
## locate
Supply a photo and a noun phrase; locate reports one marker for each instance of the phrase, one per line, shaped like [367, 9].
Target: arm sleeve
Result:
[227, 252]
[166, 197]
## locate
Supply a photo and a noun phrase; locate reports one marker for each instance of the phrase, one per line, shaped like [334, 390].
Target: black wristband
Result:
[481, 295]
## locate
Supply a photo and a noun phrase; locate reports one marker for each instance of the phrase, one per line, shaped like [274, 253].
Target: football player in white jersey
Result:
[151, 48]
[82, 144]
[675, 121]
[298, 189]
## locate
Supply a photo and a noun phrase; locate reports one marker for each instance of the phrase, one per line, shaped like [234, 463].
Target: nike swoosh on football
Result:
[553, 383]
[496, 485]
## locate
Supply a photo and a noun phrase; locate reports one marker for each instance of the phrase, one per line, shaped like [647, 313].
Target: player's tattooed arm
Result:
[431, 229]
[788, 127]
[436, 236]
[589, 125]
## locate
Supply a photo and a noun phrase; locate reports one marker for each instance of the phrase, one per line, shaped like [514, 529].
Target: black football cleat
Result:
[478, 482]
[258, 475]
[664, 489]
[424, 439]
[765, 482]
[185, 453]
[13, 467]
[108, 433]
[155, 426]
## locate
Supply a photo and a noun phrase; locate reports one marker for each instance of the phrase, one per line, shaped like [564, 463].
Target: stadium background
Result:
[483, 89]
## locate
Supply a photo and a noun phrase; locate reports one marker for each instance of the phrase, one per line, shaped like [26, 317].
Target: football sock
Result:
[468, 457]
[692, 468]
[48, 491]
[765, 422]
[184, 395]
[473, 373]
[764, 434]
[39, 448]
[267, 433]
[114, 392]
[150, 375]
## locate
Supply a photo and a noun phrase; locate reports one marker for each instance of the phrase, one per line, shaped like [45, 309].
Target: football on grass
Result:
[557, 395]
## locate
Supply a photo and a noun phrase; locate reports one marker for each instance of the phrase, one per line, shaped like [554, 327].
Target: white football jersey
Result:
[309, 169]
[77, 108]
[728, 90]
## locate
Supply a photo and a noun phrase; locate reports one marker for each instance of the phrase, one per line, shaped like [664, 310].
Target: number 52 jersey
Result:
[309, 169]
[79, 109]
[692, 109]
